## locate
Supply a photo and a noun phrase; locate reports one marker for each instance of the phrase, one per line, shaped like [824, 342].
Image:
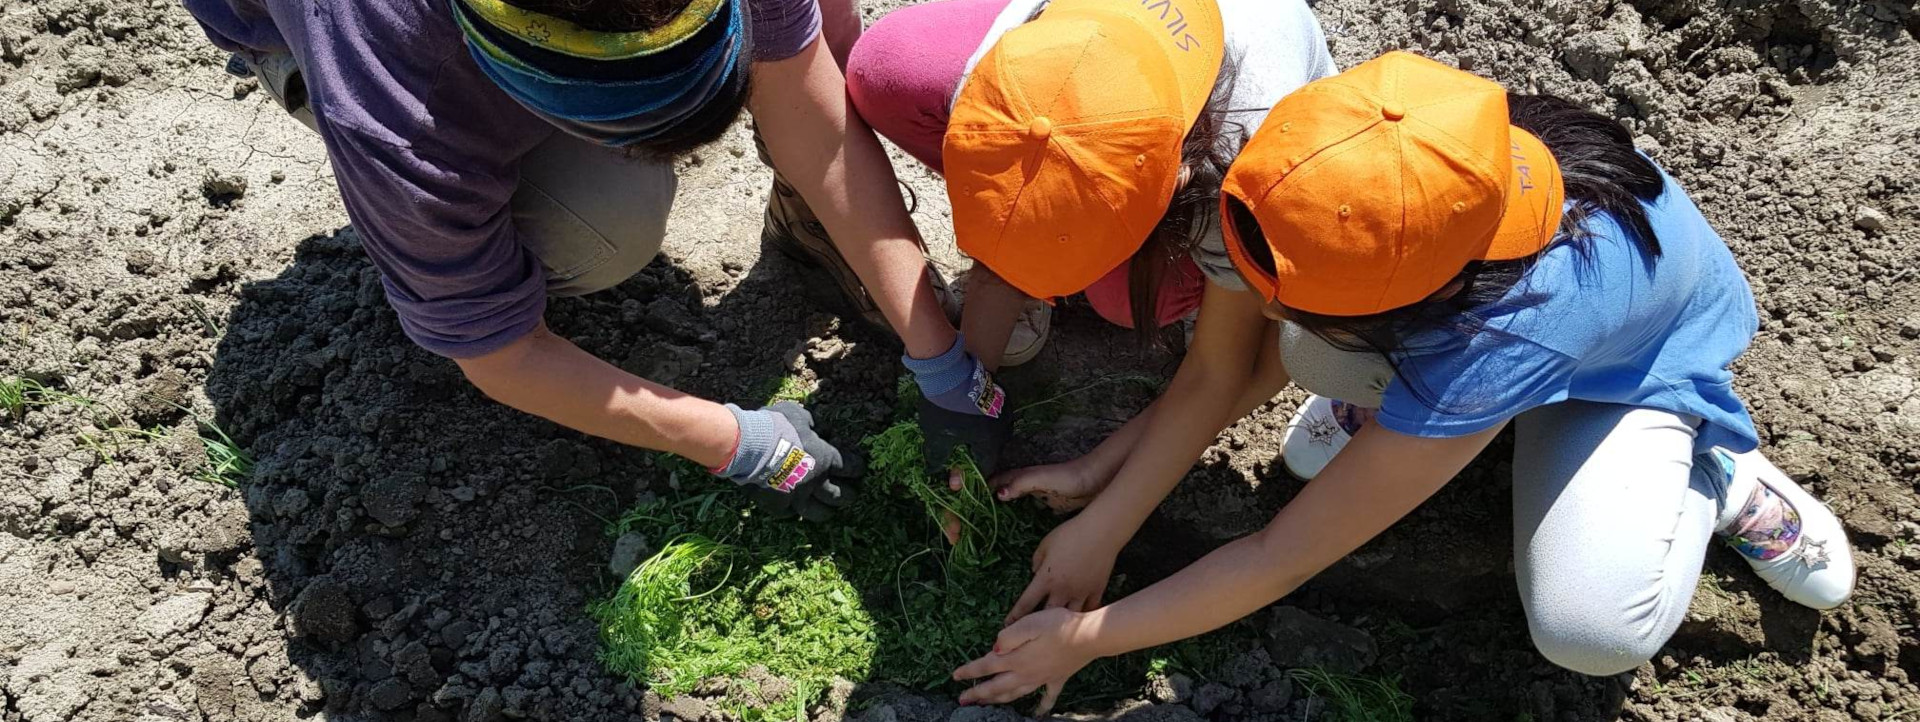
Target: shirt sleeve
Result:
[783, 28]
[1460, 391]
[441, 232]
[237, 26]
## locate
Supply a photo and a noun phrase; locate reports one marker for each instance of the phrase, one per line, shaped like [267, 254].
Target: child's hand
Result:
[1063, 487]
[1042, 649]
[1070, 569]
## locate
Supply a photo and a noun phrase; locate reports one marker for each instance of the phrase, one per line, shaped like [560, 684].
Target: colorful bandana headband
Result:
[567, 38]
[636, 86]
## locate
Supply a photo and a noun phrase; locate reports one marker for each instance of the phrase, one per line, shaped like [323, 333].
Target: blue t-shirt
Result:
[1615, 324]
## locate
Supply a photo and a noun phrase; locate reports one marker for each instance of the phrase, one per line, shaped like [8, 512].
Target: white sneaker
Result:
[1030, 333]
[1320, 428]
[1802, 550]
[1030, 330]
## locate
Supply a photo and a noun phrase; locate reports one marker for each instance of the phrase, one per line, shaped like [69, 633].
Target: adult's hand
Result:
[793, 475]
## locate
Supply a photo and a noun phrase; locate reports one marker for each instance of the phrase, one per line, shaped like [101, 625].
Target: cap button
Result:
[1040, 128]
[1392, 111]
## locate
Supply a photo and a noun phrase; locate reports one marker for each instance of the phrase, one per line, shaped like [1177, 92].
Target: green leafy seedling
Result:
[874, 594]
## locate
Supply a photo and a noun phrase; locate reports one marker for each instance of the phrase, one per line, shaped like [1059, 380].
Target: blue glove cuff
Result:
[757, 437]
[942, 373]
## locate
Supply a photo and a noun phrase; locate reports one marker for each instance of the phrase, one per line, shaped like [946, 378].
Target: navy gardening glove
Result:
[960, 405]
[784, 466]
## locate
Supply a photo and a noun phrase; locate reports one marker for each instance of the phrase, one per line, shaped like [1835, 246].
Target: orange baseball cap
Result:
[1063, 150]
[1375, 187]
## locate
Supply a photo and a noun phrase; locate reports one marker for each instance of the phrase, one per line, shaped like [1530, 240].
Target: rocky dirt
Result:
[171, 247]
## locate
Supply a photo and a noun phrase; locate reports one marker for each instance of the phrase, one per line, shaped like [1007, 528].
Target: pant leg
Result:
[594, 216]
[904, 70]
[1356, 377]
[1611, 520]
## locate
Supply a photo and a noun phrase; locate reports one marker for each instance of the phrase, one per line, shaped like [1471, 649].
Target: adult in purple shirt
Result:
[469, 140]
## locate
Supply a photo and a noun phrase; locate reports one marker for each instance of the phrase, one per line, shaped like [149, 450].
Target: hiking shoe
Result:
[1793, 541]
[1320, 428]
[792, 229]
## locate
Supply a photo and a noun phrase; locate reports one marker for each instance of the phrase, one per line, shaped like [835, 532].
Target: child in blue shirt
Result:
[1446, 259]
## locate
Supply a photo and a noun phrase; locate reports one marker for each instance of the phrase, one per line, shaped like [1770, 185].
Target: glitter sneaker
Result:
[1793, 541]
[1320, 428]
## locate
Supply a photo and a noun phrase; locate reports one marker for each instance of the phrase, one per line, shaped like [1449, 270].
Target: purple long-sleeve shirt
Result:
[426, 150]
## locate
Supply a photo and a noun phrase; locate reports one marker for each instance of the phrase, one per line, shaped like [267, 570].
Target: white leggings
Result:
[1611, 517]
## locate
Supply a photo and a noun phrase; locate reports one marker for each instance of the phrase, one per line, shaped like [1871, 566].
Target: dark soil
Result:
[405, 549]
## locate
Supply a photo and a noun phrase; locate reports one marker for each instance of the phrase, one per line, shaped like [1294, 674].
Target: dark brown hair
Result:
[1209, 149]
[1603, 174]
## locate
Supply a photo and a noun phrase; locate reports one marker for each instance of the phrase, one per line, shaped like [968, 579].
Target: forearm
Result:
[1269, 377]
[839, 167]
[1231, 582]
[1169, 438]
[1376, 480]
[1231, 368]
[547, 376]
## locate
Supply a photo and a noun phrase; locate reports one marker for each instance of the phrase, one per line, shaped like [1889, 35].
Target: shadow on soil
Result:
[435, 552]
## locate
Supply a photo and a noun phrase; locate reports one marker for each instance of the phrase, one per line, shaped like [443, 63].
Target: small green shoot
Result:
[894, 456]
[228, 463]
[1352, 698]
[13, 395]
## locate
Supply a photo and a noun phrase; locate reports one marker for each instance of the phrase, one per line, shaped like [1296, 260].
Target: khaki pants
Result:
[593, 216]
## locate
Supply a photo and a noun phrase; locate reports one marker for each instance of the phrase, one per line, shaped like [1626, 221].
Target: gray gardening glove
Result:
[960, 405]
[784, 466]
[945, 430]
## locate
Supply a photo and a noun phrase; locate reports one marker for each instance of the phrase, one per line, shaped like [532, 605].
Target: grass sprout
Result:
[228, 463]
[1352, 698]
[14, 392]
[788, 388]
[894, 459]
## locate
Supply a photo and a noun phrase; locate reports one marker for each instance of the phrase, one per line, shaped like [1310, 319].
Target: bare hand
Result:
[1070, 569]
[1042, 649]
[949, 523]
[1063, 487]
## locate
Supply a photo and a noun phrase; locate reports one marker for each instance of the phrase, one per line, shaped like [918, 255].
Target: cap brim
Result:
[1250, 272]
[1535, 196]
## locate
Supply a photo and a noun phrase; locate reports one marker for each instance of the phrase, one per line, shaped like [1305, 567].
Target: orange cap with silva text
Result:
[1375, 187]
[1063, 150]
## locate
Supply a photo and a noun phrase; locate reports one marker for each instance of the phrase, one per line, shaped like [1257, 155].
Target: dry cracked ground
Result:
[172, 250]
